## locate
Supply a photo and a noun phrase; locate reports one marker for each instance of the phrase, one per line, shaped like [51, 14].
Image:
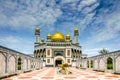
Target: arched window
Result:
[109, 63]
[19, 63]
[91, 64]
[48, 53]
[68, 52]
[87, 64]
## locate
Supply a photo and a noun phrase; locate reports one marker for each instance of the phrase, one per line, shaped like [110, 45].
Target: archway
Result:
[2, 64]
[19, 63]
[117, 64]
[58, 60]
[11, 64]
[96, 64]
[87, 64]
[91, 64]
[29, 64]
[25, 64]
[102, 65]
[109, 63]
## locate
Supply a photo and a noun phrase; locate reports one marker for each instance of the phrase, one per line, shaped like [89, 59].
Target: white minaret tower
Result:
[76, 34]
[37, 33]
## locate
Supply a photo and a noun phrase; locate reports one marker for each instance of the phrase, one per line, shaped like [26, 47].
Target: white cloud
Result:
[89, 9]
[69, 1]
[10, 40]
[19, 44]
[85, 3]
[28, 13]
[88, 2]
[93, 51]
[109, 31]
[49, 16]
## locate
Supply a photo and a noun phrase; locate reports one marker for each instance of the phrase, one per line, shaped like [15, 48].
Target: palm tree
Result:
[104, 51]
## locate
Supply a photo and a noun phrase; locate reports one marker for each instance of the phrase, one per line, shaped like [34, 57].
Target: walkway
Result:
[50, 74]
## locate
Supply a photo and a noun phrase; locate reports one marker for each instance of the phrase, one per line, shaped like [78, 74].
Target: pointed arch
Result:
[109, 63]
[11, 64]
[19, 63]
[2, 63]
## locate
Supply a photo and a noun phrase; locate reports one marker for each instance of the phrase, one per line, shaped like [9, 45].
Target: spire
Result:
[37, 33]
[76, 34]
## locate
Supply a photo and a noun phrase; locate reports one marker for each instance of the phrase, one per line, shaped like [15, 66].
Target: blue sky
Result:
[98, 22]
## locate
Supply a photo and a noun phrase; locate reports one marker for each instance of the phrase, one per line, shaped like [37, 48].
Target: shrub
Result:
[64, 65]
[19, 67]
[109, 66]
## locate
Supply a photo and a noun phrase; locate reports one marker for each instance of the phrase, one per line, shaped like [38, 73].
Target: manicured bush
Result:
[109, 66]
[19, 67]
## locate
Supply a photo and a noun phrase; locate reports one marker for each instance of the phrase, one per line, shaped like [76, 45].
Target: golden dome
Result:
[37, 29]
[41, 42]
[48, 35]
[76, 29]
[68, 35]
[58, 36]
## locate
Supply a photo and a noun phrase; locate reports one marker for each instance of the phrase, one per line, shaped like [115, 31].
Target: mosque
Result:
[57, 49]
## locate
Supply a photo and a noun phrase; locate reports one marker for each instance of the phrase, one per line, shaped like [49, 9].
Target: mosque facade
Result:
[57, 49]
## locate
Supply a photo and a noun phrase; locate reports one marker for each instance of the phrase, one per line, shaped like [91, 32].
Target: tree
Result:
[104, 51]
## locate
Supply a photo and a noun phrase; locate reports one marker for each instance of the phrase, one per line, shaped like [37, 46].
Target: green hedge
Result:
[19, 67]
[109, 66]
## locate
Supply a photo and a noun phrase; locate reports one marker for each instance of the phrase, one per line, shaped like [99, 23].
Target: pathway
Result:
[78, 74]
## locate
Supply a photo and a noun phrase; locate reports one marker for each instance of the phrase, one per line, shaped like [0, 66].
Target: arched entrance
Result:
[2, 64]
[58, 60]
[11, 64]
[109, 63]
[19, 63]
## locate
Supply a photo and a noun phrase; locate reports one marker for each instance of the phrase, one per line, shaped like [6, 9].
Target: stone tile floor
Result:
[51, 74]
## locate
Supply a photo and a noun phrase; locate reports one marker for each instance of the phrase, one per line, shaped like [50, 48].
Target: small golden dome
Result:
[67, 35]
[48, 35]
[37, 29]
[58, 36]
[41, 42]
[76, 29]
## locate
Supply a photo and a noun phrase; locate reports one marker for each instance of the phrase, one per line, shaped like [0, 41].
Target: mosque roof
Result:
[58, 36]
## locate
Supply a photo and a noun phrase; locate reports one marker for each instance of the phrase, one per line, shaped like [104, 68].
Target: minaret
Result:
[49, 37]
[42, 41]
[68, 37]
[37, 33]
[76, 34]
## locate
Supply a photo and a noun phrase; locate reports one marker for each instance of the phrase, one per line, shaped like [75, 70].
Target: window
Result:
[68, 53]
[48, 60]
[48, 53]
[58, 53]
[68, 60]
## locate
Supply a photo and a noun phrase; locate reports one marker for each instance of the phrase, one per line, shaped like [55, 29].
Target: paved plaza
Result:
[51, 74]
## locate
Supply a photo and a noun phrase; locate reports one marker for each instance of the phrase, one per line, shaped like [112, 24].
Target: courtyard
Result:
[50, 73]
